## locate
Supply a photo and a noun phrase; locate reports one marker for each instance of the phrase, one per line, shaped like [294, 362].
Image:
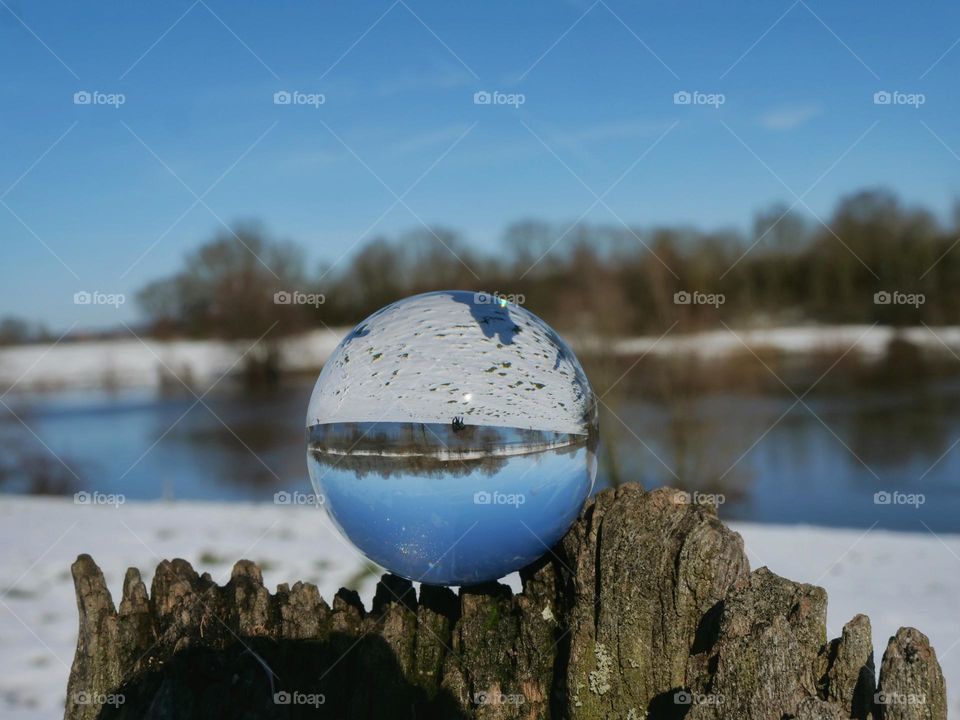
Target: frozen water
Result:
[453, 439]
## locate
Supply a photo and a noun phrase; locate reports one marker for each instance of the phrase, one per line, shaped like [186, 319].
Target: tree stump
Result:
[646, 609]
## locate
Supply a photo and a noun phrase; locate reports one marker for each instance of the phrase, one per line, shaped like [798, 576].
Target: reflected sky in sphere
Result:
[453, 437]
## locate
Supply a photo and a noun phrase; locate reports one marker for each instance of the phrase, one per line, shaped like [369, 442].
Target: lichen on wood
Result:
[647, 608]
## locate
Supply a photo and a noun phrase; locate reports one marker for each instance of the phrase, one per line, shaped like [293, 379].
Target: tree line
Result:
[872, 260]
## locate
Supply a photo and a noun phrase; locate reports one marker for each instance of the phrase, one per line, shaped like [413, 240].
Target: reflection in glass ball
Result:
[453, 437]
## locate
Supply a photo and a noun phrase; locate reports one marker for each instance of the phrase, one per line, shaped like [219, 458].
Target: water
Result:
[848, 460]
[798, 473]
[235, 446]
[446, 506]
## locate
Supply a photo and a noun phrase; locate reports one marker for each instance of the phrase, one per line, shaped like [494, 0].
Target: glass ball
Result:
[452, 437]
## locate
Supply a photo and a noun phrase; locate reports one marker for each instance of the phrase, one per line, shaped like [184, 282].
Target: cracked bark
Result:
[646, 609]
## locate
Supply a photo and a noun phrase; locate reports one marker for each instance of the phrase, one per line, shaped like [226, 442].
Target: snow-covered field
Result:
[142, 362]
[147, 363]
[896, 578]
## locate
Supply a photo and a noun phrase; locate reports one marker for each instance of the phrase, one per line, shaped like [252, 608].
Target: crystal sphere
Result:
[452, 437]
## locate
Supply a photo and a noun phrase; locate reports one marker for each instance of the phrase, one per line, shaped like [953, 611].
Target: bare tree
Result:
[239, 285]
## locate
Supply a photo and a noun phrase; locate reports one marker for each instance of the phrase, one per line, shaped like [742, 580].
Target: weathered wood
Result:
[646, 609]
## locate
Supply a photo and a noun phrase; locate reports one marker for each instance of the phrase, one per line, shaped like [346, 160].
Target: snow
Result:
[896, 578]
[436, 355]
[142, 362]
[147, 363]
[871, 340]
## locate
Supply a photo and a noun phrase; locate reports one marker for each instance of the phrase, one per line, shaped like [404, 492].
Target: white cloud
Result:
[447, 78]
[617, 130]
[789, 117]
[433, 141]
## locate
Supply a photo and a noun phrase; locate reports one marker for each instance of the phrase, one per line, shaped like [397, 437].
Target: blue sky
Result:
[104, 197]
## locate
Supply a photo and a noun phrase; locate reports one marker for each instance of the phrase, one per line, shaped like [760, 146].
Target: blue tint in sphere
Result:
[453, 437]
